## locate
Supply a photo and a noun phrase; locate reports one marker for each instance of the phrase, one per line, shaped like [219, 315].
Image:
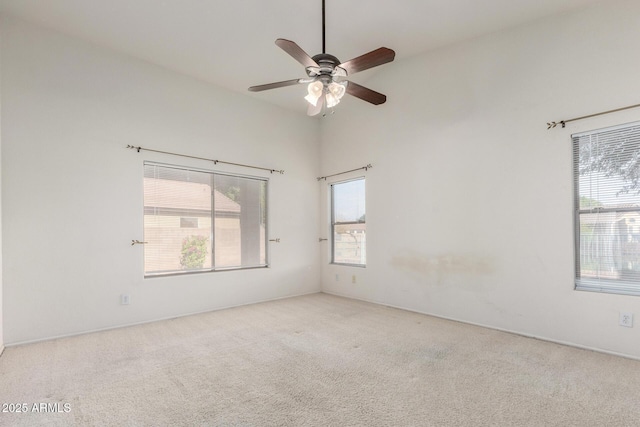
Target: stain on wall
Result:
[441, 266]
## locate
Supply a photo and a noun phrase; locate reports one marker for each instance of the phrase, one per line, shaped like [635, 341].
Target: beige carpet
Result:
[317, 360]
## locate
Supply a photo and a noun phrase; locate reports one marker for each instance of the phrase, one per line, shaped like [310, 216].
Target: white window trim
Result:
[332, 222]
[620, 287]
[214, 269]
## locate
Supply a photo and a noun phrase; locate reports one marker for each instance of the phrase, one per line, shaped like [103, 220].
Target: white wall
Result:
[1, 315]
[469, 202]
[72, 192]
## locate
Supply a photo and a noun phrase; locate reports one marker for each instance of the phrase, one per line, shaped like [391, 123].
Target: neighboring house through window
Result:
[202, 221]
[606, 171]
[348, 224]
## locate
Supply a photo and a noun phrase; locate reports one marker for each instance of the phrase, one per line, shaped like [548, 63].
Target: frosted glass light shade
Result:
[334, 94]
[314, 90]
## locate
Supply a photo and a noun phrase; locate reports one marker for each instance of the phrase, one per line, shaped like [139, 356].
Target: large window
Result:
[348, 226]
[606, 170]
[202, 221]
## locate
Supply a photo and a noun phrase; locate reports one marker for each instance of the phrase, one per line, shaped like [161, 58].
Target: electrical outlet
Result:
[337, 277]
[353, 279]
[124, 299]
[626, 319]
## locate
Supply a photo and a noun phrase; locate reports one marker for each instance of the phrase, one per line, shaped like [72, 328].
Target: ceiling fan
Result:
[326, 82]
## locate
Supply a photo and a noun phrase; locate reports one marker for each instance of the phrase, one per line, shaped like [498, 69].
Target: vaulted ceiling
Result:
[231, 43]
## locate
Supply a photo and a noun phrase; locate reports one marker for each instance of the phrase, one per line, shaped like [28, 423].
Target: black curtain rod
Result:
[552, 125]
[342, 173]
[215, 162]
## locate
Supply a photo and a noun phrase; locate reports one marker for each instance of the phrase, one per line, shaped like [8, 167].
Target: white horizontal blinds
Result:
[177, 220]
[607, 201]
[201, 221]
[349, 222]
[240, 222]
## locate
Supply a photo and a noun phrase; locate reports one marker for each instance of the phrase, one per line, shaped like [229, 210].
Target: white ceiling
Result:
[231, 43]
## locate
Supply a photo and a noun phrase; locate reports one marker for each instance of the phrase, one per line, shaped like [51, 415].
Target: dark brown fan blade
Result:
[368, 60]
[314, 110]
[274, 85]
[365, 94]
[296, 52]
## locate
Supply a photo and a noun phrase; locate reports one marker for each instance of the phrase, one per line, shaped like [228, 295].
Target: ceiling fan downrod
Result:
[323, 30]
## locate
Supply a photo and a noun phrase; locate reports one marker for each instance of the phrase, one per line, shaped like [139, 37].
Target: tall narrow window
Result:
[348, 225]
[202, 221]
[606, 171]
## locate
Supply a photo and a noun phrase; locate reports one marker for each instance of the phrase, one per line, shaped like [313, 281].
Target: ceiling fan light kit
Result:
[315, 90]
[327, 82]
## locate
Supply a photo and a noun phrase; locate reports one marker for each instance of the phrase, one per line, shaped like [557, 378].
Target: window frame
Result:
[333, 222]
[601, 285]
[213, 268]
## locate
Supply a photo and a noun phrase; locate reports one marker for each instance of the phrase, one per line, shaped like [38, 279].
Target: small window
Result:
[606, 172]
[188, 222]
[202, 221]
[348, 224]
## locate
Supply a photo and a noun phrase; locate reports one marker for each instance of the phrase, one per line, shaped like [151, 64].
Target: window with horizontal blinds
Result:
[348, 225]
[606, 171]
[197, 221]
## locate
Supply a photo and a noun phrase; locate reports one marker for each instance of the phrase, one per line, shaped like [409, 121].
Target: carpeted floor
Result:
[316, 360]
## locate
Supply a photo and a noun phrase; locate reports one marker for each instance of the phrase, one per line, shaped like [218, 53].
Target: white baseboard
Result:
[522, 334]
[177, 316]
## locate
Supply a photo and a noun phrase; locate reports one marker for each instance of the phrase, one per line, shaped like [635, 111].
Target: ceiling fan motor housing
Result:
[326, 62]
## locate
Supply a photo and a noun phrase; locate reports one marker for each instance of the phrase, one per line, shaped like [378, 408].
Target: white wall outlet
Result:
[124, 299]
[353, 279]
[337, 277]
[626, 319]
